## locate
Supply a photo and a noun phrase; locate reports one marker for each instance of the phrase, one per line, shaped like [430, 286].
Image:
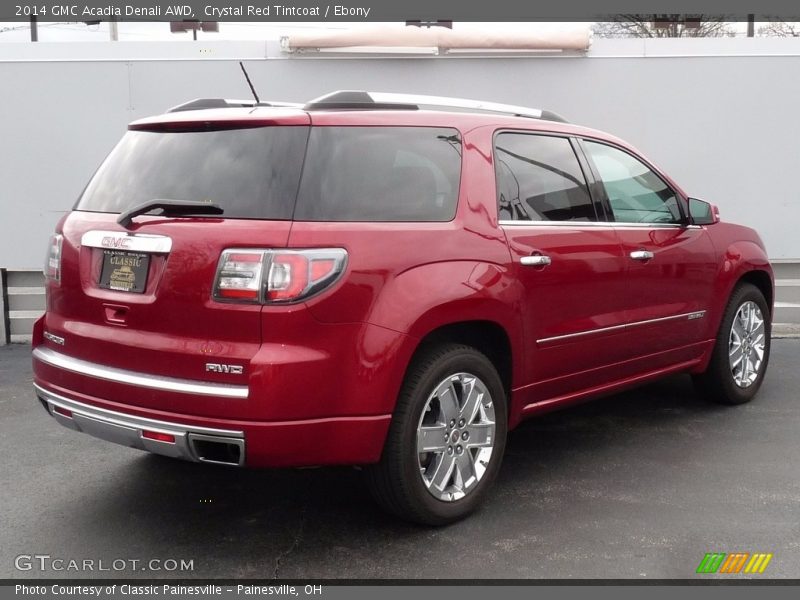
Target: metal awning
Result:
[463, 38]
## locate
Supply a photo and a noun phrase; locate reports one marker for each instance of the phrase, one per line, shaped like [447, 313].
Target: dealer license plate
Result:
[124, 271]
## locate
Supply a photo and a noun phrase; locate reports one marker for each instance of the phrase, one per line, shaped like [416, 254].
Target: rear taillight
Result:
[52, 263]
[276, 276]
[239, 275]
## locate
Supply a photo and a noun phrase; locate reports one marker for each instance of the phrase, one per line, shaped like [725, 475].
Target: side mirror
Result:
[702, 213]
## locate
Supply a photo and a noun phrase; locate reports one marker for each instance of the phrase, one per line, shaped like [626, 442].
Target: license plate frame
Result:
[124, 271]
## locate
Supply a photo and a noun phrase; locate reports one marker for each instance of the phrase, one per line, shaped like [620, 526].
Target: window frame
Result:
[601, 190]
[594, 196]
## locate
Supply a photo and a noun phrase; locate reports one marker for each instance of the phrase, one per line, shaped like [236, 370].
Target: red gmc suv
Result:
[383, 280]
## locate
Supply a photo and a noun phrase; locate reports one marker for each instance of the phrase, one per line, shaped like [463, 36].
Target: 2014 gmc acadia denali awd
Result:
[361, 281]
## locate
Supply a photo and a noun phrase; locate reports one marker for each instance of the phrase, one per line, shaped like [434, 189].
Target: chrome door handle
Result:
[536, 260]
[642, 255]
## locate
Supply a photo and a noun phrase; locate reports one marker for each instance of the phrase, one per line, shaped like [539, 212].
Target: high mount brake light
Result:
[52, 263]
[263, 276]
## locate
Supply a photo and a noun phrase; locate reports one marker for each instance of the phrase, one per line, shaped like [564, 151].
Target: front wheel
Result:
[446, 440]
[741, 353]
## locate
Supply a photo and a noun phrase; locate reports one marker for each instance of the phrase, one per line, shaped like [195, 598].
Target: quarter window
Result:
[539, 179]
[380, 174]
[636, 194]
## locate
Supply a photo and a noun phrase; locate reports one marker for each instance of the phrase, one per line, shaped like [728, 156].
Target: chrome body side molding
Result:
[595, 224]
[699, 314]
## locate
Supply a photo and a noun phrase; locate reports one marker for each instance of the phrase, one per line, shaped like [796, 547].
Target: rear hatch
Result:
[140, 297]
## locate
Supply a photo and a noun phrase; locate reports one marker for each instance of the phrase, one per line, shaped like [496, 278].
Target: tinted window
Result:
[248, 172]
[636, 194]
[380, 174]
[539, 179]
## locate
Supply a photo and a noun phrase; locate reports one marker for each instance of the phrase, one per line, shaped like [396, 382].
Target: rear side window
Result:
[250, 173]
[539, 178]
[380, 174]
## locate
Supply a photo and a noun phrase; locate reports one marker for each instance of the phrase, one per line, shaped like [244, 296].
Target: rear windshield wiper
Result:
[170, 208]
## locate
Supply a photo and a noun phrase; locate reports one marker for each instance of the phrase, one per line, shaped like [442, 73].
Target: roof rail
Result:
[203, 103]
[351, 99]
[360, 100]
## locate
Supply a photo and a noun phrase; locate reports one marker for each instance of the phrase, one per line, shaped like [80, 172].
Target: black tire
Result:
[717, 383]
[396, 482]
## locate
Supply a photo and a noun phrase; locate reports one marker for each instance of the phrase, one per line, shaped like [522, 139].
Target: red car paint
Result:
[323, 375]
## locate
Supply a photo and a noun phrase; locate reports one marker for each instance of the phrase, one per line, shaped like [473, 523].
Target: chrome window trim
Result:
[612, 224]
[156, 382]
[624, 225]
[690, 316]
[578, 224]
[140, 242]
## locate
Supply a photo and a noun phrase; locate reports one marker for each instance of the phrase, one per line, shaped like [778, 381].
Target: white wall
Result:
[721, 116]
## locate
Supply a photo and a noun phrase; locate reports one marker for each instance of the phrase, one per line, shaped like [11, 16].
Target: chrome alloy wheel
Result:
[746, 344]
[456, 436]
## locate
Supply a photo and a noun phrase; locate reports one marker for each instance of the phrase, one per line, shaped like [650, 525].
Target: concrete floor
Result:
[638, 485]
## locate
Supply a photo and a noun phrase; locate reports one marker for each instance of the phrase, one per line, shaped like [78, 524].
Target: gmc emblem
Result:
[115, 242]
[219, 368]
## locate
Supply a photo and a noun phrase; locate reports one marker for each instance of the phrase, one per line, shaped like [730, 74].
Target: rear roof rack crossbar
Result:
[360, 100]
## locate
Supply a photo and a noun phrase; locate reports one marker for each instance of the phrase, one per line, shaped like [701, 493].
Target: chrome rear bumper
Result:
[155, 382]
[198, 444]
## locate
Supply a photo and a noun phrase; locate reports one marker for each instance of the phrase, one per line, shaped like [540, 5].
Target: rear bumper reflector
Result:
[63, 412]
[167, 438]
[156, 382]
[198, 444]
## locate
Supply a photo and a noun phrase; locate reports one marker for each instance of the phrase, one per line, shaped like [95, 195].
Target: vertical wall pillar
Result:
[4, 319]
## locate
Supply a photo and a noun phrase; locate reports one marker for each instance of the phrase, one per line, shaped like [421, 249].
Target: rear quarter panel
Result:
[412, 278]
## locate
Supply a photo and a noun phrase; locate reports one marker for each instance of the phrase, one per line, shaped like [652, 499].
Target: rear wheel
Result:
[741, 353]
[446, 440]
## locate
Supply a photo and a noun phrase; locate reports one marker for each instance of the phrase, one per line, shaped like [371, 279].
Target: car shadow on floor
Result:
[247, 522]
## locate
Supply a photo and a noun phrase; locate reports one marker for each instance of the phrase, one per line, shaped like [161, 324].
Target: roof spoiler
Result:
[204, 103]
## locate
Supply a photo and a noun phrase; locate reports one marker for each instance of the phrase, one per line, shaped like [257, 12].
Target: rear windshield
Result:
[350, 173]
[250, 173]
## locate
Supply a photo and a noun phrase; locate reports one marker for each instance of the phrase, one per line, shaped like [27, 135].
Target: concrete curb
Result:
[785, 330]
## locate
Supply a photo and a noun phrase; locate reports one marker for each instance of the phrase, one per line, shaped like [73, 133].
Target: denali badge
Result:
[218, 368]
[56, 339]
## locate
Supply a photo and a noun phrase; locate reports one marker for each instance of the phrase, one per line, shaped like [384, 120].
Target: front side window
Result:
[635, 193]
[539, 179]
